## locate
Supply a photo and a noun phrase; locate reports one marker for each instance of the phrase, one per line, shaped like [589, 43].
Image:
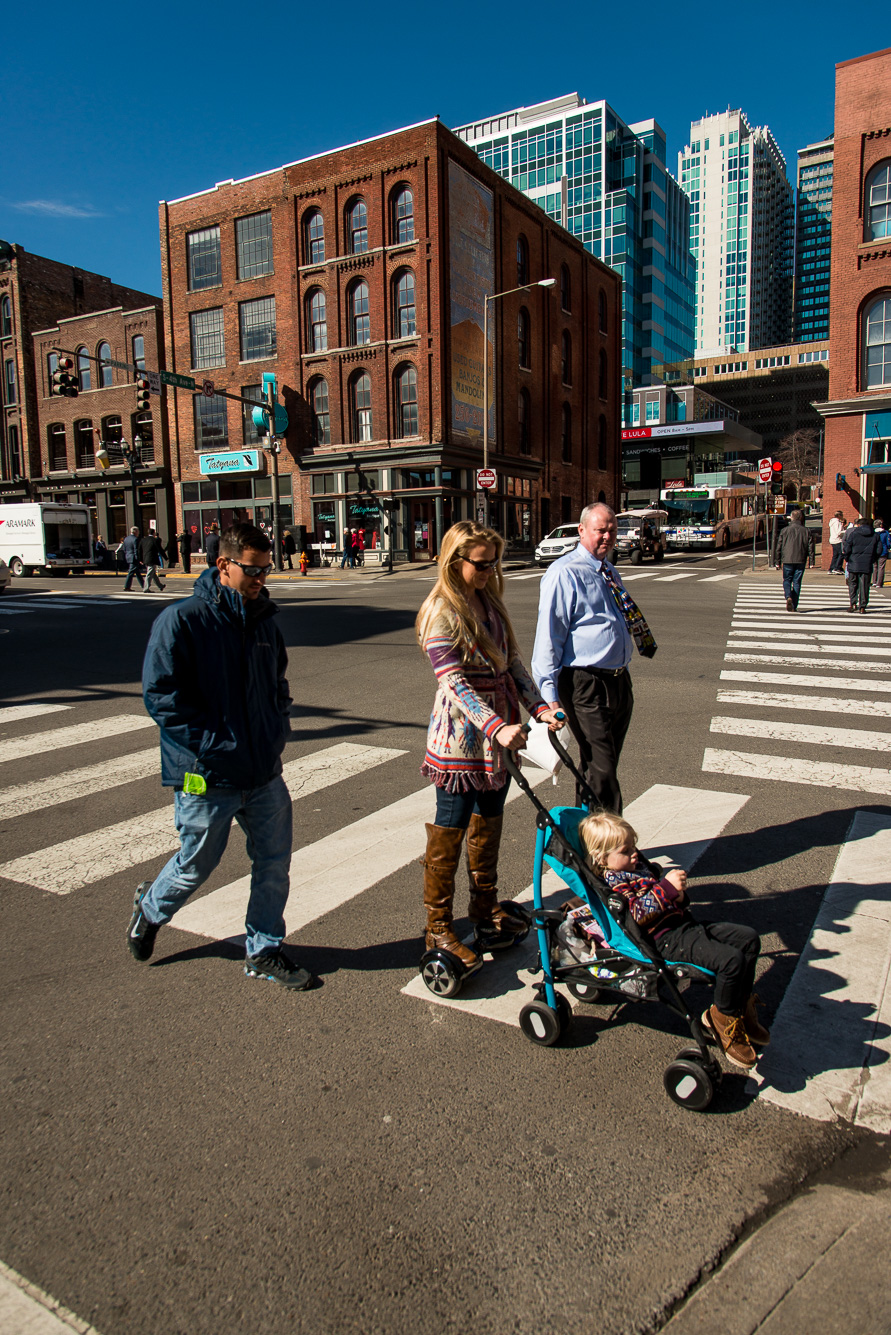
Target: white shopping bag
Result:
[538, 750]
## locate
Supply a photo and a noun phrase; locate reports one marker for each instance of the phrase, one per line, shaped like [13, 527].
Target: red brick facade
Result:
[858, 413]
[420, 459]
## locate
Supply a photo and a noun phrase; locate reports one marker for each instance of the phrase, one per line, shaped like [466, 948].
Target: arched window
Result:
[321, 416]
[602, 377]
[357, 227]
[83, 369]
[522, 261]
[139, 352]
[523, 337]
[314, 237]
[601, 444]
[84, 444]
[566, 434]
[105, 374]
[5, 317]
[407, 401]
[141, 425]
[601, 310]
[403, 222]
[316, 321]
[877, 340]
[404, 304]
[601, 497]
[112, 430]
[360, 320]
[565, 288]
[360, 407]
[523, 437]
[57, 450]
[878, 202]
[566, 358]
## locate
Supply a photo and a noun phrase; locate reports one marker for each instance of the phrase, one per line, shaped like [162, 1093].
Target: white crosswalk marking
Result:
[782, 660]
[682, 574]
[856, 738]
[69, 866]
[816, 638]
[792, 679]
[15, 713]
[42, 793]
[823, 704]
[713, 579]
[809, 648]
[37, 743]
[822, 774]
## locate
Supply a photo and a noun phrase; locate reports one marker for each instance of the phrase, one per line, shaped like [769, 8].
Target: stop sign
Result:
[485, 478]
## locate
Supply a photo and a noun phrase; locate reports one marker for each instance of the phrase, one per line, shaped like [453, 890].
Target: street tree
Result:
[799, 453]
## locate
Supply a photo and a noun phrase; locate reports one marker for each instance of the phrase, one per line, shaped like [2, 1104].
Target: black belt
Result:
[603, 672]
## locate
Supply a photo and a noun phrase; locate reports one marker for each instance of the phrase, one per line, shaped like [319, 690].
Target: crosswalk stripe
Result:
[786, 769]
[815, 683]
[68, 866]
[15, 713]
[855, 628]
[818, 704]
[831, 1037]
[845, 663]
[713, 579]
[23, 798]
[856, 649]
[810, 637]
[858, 739]
[333, 870]
[7, 611]
[674, 824]
[682, 574]
[38, 743]
[734, 556]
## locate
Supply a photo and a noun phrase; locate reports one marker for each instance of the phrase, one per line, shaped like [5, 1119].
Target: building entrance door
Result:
[423, 536]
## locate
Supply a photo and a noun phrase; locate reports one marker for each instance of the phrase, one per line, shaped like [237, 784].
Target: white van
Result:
[45, 536]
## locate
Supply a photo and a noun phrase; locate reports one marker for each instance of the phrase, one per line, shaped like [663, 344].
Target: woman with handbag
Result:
[465, 630]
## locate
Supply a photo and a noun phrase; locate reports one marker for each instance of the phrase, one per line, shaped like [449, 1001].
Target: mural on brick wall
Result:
[472, 275]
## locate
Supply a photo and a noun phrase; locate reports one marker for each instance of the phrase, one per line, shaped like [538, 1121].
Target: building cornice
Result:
[876, 403]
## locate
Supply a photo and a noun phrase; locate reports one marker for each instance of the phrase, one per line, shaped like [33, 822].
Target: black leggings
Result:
[729, 950]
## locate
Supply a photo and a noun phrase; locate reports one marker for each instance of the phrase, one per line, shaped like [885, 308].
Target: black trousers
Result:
[729, 950]
[599, 712]
[858, 587]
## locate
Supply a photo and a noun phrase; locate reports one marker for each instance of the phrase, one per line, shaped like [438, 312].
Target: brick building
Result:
[108, 348]
[35, 293]
[858, 409]
[357, 278]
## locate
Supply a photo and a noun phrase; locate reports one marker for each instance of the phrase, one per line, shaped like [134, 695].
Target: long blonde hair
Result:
[447, 595]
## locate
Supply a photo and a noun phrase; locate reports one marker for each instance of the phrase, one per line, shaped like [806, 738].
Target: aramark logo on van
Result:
[18, 523]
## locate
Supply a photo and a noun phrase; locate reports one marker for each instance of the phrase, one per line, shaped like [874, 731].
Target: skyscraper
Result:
[741, 216]
[607, 183]
[813, 238]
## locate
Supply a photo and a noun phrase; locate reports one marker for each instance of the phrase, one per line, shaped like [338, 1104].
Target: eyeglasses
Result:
[480, 565]
[253, 572]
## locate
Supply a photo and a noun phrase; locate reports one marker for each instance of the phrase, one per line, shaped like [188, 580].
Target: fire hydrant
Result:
[304, 563]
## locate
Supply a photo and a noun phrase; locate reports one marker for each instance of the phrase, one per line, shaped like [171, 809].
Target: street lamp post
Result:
[496, 296]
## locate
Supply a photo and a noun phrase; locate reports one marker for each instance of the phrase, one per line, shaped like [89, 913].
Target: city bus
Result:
[712, 517]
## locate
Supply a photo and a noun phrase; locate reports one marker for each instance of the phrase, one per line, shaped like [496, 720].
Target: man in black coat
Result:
[129, 549]
[860, 548]
[151, 553]
[212, 545]
[184, 542]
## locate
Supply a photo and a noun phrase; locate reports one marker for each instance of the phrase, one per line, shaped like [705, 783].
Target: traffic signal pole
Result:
[276, 521]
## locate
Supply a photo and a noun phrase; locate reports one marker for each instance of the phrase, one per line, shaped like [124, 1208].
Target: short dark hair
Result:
[239, 536]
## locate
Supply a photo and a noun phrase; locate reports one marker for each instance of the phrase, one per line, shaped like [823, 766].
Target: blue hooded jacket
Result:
[214, 681]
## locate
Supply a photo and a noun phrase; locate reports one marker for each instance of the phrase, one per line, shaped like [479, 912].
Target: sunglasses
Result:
[480, 565]
[253, 572]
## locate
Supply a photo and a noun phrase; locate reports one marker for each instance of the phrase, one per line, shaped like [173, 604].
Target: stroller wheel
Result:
[543, 1025]
[586, 992]
[688, 1084]
[441, 973]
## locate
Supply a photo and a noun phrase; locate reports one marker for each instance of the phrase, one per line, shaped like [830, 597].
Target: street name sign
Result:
[765, 470]
[235, 461]
[486, 478]
[180, 381]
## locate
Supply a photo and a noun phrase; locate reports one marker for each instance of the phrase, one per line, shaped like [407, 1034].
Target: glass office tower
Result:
[607, 183]
[813, 237]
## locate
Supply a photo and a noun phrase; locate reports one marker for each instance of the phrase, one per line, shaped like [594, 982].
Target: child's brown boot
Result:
[754, 1028]
[730, 1031]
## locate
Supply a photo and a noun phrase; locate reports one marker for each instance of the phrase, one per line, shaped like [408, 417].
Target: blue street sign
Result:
[238, 461]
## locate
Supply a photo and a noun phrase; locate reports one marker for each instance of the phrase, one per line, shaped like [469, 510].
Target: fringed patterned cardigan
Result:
[472, 702]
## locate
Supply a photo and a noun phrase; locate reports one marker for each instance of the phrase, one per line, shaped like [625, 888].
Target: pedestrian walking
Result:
[795, 550]
[214, 680]
[184, 541]
[884, 537]
[348, 557]
[836, 533]
[860, 548]
[151, 553]
[129, 549]
[289, 547]
[465, 630]
[587, 626]
[212, 545]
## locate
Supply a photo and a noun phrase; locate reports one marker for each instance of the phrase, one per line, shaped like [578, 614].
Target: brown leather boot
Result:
[754, 1028]
[730, 1031]
[440, 863]
[494, 921]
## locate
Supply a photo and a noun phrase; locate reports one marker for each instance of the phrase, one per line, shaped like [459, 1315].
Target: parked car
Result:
[639, 534]
[5, 576]
[564, 538]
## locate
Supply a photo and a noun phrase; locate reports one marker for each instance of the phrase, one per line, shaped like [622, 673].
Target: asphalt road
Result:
[186, 1150]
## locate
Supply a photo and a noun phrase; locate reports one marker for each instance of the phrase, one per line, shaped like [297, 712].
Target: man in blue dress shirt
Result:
[582, 651]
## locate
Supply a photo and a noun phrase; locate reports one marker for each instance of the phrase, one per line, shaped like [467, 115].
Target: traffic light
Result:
[142, 395]
[776, 481]
[64, 380]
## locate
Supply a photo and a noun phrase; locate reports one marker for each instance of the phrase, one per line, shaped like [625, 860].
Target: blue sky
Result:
[106, 112]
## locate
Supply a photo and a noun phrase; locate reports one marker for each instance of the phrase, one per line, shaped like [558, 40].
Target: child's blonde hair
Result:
[602, 833]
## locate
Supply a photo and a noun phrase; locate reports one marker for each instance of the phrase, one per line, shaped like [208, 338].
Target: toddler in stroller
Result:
[658, 907]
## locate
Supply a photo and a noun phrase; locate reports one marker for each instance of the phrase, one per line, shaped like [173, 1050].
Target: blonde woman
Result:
[464, 629]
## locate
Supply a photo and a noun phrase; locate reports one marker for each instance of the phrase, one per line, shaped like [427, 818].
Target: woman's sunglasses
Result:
[480, 565]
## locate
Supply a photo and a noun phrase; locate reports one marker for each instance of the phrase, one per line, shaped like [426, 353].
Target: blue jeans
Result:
[203, 824]
[792, 582]
[454, 810]
[838, 561]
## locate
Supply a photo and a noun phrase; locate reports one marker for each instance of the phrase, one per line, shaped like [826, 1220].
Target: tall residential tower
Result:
[607, 183]
[741, 234]
[813, 242]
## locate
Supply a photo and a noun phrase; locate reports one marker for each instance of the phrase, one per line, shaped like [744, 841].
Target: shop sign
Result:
[236, 461]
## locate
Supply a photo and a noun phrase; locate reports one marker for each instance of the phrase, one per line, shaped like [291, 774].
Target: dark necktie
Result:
[634, 620]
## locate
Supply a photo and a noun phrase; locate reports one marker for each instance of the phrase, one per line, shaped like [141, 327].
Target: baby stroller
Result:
[617, 963]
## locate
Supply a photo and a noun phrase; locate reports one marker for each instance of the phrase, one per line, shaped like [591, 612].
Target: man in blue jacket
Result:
[214, 681]
[129, 549]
